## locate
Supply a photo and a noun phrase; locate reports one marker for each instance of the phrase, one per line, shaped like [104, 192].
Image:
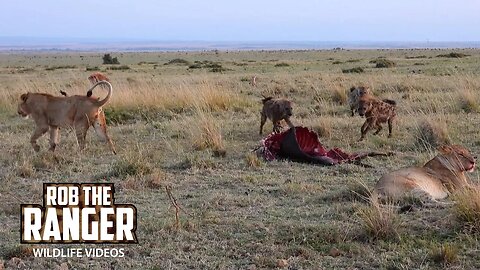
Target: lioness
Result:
[436, 179]
[52, 112]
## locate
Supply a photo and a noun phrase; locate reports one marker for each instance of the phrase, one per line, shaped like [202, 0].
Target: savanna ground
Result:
[172, 121]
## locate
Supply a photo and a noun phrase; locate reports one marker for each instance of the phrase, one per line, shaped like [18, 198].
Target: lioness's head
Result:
[458, 157]
[23, 108]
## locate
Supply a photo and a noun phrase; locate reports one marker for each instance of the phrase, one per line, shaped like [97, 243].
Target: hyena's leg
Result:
[379, 128]
[390, 127]
[277, 127]
[263, 119]
[365, 127]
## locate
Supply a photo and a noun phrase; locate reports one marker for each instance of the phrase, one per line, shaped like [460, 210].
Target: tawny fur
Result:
[276, 109]
[95, 78]
[376, 113]
[435, 180]
[51, 112]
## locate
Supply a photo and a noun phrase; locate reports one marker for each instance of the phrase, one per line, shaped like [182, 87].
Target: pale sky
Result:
[247, 20]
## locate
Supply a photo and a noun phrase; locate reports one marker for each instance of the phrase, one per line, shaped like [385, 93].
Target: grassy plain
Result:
[172, 121]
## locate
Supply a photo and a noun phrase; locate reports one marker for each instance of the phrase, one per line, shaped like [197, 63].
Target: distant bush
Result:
[337, 62]
[353, 70]
[353, 60]
[195, 66]
[383, 63]
[453, 55]
[147, 63]
[178, 61]
[124, 67]
[416, 57]
[282, 65]
[92, 68]
[60, 67]
[108, 60]
[240, 64]
[213, 66]
[218, 69]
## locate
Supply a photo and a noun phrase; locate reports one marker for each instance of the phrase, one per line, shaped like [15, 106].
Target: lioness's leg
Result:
[53, 138]
[39, 131]
[81, 128]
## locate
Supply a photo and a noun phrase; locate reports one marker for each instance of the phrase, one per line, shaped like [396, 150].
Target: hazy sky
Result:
[247, 20]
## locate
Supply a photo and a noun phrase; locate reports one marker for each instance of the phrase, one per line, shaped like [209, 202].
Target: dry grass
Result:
[247, 213]
[432, 133]
[445, 254]
[468, 101]
[205, 132]
[467, 208]
[323, 127]
[252, 160]
[379, 221]
[339, 94]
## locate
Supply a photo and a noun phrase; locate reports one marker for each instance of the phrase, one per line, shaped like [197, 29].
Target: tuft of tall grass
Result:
[252, 160]
[432, 133]
[323, 127]
[339, 94]
[445, 254]
[205, 132]
[380, 221]
[467, 208]
[468, 101]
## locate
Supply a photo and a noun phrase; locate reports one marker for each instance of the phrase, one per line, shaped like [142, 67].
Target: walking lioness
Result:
[52, 112]
[435, 180]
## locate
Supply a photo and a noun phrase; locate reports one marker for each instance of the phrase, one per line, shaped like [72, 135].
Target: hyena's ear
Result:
[24, 97]
[352, 88]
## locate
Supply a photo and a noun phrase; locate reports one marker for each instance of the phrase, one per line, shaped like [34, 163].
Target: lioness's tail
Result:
[105, 100]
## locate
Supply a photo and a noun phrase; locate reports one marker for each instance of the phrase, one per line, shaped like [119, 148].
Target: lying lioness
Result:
[435, 180]
[52, 112]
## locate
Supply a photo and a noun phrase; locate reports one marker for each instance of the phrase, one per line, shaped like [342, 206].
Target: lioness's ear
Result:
[24, 97]
[445, 149]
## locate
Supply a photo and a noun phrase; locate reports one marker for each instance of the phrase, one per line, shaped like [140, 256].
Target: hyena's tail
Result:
[390, 101]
